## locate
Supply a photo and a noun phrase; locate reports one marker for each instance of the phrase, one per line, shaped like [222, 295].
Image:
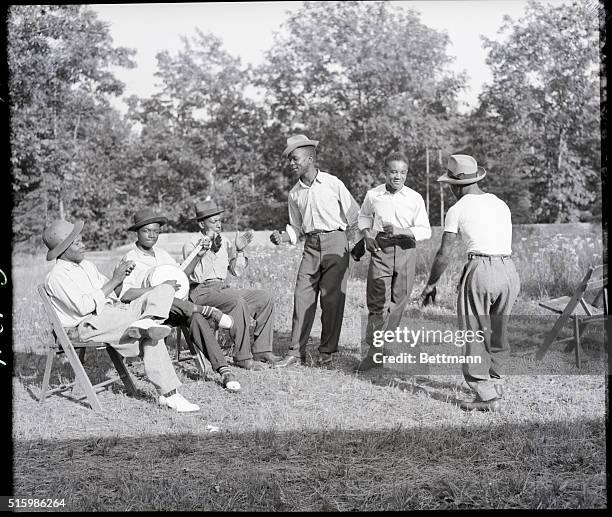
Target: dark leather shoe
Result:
[288, 360]
[249, 364]
[324, 359]
[367, 364]
[267, 357]
[479, 405]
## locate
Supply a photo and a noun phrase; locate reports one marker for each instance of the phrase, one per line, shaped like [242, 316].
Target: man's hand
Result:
[173, 283]
[123, 269]
[371, 245]
[242, 241]
[206, 243]
[277, 237]
[428, 295]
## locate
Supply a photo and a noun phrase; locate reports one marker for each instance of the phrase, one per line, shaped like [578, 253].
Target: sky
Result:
[247, 28]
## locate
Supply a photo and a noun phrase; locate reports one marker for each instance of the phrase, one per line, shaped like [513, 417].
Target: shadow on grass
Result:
[531, 465]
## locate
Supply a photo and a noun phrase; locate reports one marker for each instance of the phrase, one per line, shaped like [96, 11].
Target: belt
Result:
[210, 281]
[481, 255]
[317, 232]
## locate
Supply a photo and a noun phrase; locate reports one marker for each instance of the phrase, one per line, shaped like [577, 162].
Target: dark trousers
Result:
[200, 331]
[390, 281]
[241, 305]
[488, 289]
[324, 271]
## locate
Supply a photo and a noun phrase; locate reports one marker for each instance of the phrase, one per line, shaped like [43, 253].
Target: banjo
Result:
[157, 275]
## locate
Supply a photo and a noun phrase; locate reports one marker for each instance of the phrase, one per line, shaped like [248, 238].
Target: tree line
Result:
[364, 78]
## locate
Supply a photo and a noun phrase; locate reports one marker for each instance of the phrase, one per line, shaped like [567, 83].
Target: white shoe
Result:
[148, 328]
[178, 403]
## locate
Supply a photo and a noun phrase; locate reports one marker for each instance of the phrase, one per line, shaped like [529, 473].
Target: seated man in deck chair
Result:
[84, 298]
[145, 255]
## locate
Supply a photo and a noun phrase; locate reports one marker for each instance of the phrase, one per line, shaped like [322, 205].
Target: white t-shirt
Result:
[484, 223]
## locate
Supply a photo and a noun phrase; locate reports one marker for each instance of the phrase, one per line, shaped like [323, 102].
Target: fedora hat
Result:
[144, 217]
[59, 235]
[295, 141]
[462, 170]
[206, 209]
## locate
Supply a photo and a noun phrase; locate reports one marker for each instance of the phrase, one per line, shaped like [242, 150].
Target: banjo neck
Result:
[192, 255]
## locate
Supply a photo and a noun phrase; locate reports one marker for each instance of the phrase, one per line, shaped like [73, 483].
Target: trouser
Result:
[182, 313]
[324, 270]
[389, 284]
[488, 289]
[111, 324]
[241, 305]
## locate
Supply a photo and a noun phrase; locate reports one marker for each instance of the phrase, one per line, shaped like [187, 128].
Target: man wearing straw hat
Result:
[84, 298]
[145, 255]
[207, 273]
[321, 209]
[489, 283]
[392, 219]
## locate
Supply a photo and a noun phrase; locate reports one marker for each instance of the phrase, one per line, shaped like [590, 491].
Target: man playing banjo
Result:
[147, 258]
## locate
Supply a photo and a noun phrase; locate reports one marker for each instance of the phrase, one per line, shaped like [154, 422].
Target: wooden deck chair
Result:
[578, 309]
[63, 344]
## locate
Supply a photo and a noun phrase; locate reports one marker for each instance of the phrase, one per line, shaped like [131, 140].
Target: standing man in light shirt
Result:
[197, 318]
[321, 209]
[392, 219]
[84, 298]
[208, 274]
[489, 283]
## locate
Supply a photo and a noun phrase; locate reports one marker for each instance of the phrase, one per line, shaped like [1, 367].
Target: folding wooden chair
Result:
[578, 309]
[63, 344]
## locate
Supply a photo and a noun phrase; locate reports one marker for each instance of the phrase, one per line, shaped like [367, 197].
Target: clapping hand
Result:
[242, 241]
[123, 269]
[275, 237]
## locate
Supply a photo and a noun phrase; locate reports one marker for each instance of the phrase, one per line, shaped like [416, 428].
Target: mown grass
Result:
[325, 439]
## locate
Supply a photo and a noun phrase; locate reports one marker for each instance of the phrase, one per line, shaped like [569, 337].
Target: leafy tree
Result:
[365, 79]
[59, 59]
[538, 122]
[200, 134]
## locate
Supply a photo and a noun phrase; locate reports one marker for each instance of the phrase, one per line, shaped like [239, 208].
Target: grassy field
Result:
[313, 438]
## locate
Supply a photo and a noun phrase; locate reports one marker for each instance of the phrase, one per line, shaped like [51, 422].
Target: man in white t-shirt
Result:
[489, 283]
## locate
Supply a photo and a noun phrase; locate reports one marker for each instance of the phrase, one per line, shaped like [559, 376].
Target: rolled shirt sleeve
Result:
[421, 228]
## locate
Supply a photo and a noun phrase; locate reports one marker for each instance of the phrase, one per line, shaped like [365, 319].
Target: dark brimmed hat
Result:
[295, 141]
[59, 235]
[462, 170]
[206, 209]
[146, 216]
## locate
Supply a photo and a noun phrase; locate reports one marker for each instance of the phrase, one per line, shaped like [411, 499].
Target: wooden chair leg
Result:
[82, 378]
[202, 363]
[552, 335]
[177, 333]
[82, 355]
[125, 376]
[47, 375]
[577, 340]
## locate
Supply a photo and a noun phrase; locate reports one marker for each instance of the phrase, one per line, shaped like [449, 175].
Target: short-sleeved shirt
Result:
[75, 291]
[404, 209]
[143, 262]
[484, 223]
[212, 265]
[325, 205]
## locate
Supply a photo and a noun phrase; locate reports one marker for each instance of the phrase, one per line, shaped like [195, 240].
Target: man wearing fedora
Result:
[84, 298]
[392, 219]
[321, 210]
[489, 283]
[145, 255]
[208, 278]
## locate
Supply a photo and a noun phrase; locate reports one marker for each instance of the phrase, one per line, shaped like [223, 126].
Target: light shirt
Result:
[404, 209]
[75, 291]
[211, 265]
[325, 205]
[484, 223]
[144, 262]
